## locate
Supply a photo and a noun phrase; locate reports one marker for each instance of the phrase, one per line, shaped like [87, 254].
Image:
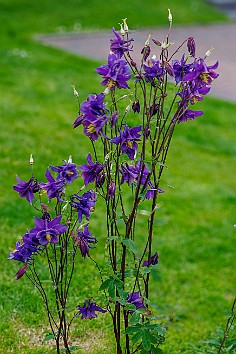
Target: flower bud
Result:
[126, 28]
[208, 53]
[156, 42]
[191, 46]
[169, 68]
[122, 32]
[70, 159]
[136, 106]
[76, 94]
[31, 160]
[169, 15]
[147, 41]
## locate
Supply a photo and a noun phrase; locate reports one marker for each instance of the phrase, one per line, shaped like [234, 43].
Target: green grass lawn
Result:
[195, 284]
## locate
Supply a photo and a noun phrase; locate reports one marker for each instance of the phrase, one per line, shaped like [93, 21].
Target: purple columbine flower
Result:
[27, 189]
[84, 204]
[91, 170]
[153, 69]
[115, 74]
[47, 231]
[54, 188]
[129, 173]
[22, 253]
[88, 310]
[128, 140]
[185, 114]
[119, 46]
[136, 299]
[93, 116]
[83, 239]
[68, 171]
[180, 68]
[153, 260]
[201, 74]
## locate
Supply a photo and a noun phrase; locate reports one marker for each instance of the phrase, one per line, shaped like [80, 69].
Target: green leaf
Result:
[133, 329]
[106, 284]
[49, 336]
[122, 293]
[145, 340]
[137, 336]
[135, 318]
[111, 290]
[113, 238]
[130, 245]
[130, 306]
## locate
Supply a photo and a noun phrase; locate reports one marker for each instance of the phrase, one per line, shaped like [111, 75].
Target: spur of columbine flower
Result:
[83, 240]
[84, 204]
[91, 170]
[115, 73]
[88, 310]
[27, 189]
[128, 140]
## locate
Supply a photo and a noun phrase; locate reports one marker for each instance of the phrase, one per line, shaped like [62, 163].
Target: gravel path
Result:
[222, 37]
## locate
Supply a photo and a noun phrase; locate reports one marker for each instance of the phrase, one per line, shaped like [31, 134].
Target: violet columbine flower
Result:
[180, 68]
[88, 310]
[83, 239]
[119, 45]
[153, 260]
[93, 116]
[84, 204]
[128, 140]
[27, 189]
[91, 170]
[54, 188]
[153, 69]
[201, 74]
[136, 299]
[115, 74]
[22, 253]
[113, 119]
[129, 173]
[47, 231]
[185, 114]
[68, 171]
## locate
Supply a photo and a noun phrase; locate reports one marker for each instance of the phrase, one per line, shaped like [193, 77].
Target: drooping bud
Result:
[21, 271]
[191, 46]
[146, 52]
[111, 190]
[133, 63]
[169, 68]
[136, 106]
[114, 119]
[156, 42]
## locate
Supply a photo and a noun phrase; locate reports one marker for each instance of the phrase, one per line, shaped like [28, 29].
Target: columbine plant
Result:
[130, 126]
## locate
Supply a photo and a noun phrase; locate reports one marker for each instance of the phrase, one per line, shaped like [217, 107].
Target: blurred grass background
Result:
[195, 283]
